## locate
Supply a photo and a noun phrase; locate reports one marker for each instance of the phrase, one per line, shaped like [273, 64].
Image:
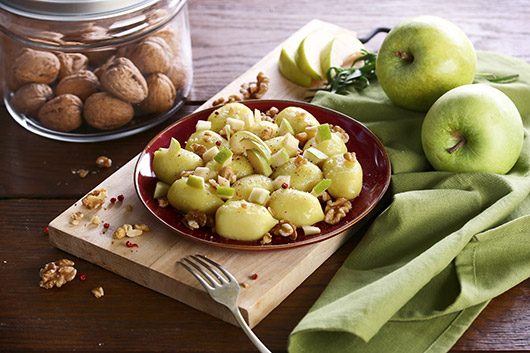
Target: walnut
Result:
[83, 173]
[62, 113]
[106, 112]
[195, 219]
[350, 156]
[266, 134]
[198, 149]
[163, 202]
[98, 292]
[71, 63]
[302, 137]
[270, 114]
[57, 273]
[300, 161]
[255, 90]
[171, 36]
[96, 58]
[130, 231]
[29, 98]
[123, 79]
[324, 197]
[231, 99]
[142, 227]
[336, 210]
[267, 239]
[161, 94]
[285, 229]
[94, 199]
[104, 162]
[76, 217]
[103, 67]
[179, 72]
[228, 173]
[36, 66]
[343, 134]
[151, 55]
[82, 84]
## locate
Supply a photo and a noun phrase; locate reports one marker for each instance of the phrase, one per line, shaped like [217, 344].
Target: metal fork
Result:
[223, 290]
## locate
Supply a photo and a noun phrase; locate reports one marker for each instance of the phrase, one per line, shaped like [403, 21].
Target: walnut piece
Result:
[95, 199]
[343, 134]
[270, 114]
[198, 149]
[62, 113]
[324, 197]
[76, 217]
[302, 137]
[350, 156]
[336, 210]
[98, 292]
[179, 72]
[267, 239]
[228, 173]
[29, 98]
[130, 231]
[163, 202]
[82, 84]
[71, 63]
[255, 90]
[161, 94]
[57, 273]
[284, 228]
[105, 112]
[103, 162]
[194, 219]
[123, 79]
[267, 133]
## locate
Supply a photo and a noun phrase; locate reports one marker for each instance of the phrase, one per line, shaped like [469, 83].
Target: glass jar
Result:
[94, 70]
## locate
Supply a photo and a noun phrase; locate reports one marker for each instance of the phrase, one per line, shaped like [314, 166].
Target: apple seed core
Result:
[406, 57]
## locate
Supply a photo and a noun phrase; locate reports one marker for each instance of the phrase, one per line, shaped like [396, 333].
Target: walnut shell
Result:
[36, 66]
[29, 98]
[106, 112]
[151, 55]
[171, 36]
[99, 57]
[82, 84]
[62, 113]
[179, 73]
[124, 80]
[161, 95]
[71, 63]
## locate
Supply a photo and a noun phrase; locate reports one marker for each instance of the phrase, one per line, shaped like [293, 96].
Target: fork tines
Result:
[200, 263]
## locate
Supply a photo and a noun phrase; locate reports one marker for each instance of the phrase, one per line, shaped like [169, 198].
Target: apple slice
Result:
[224, 157]
[290, 143]
[161, 189]
[225, 192]
[341, 51]
[280, 157]
[307, 55]
[259, 162]
[259, 195]
[288, 67]
[285, 127]
[322, 186]
[195, 181]
[209, 154]
[315, 156]
[245, 140]
[323, 133]
[203, 125]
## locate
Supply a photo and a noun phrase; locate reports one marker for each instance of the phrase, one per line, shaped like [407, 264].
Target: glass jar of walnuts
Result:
[93, 70]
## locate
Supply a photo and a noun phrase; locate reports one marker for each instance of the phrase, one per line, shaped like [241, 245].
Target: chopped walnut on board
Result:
[57, 273]
[95, 199]
[336, 210]
[130, 231]
[248, 90]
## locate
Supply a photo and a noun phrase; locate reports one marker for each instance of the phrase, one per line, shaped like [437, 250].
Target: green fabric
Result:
[446, 245]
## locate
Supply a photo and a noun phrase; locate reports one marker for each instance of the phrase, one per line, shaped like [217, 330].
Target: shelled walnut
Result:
[336, 210]
[57, 273]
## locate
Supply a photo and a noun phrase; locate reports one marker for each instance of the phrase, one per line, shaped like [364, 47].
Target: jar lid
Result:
[73, 10]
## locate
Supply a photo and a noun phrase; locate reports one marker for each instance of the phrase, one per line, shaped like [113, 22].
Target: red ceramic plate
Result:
[370, 153]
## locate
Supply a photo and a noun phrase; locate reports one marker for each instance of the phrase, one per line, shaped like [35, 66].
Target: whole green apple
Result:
[473, 128]
[423, 57]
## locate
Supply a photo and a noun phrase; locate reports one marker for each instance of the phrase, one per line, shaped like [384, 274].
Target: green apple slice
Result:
[245, 140]
[161, 189]
[288, 67]
[341, 51]
[259, 195]
[322, 186]
[323, 133]
[290, 143]
[259, 162]
[307, 55]
[280, 157]
[195, 181]
[224, 157]
[315, 156]
[225, 191]
[285, 127]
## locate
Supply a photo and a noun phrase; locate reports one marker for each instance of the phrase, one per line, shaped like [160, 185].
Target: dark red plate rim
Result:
[369, 150]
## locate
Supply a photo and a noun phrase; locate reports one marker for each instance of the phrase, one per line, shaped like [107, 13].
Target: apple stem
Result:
[460, 143]
[404, 56]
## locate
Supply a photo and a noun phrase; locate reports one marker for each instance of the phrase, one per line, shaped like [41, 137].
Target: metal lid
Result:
[73, 10]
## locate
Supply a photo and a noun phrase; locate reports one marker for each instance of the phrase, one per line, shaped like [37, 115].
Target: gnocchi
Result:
[261, 177]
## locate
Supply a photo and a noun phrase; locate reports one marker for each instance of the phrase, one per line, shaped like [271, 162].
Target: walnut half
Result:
[337, 210]
[57, 273]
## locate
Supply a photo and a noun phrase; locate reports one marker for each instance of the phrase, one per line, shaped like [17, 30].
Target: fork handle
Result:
[243, 324]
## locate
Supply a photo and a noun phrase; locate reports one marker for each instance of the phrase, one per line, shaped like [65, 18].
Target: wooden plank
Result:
[153, 263]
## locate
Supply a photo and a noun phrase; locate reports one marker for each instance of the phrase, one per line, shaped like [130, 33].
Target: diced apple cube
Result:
[281, 182]
[259, 162]
[323, 133]
[257, 116]
[291, 144]
[224, 157]
[280, 157]
[310, 230]
[258, 195]
[315, 156]
[209, 154]
[225, 192]
[235, 124]
[285, 127]
[195, 181]
[223, 181]
[249, 120]
[161, 189]
[322, 186]
[202, 172]
[203, 125]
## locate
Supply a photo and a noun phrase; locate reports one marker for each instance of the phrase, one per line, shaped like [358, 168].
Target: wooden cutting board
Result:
[153, 263]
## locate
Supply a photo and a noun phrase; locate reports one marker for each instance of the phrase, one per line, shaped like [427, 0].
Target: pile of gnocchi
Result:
[250, 175]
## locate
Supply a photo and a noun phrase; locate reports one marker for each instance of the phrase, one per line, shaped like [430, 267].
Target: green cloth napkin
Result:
[446, 245]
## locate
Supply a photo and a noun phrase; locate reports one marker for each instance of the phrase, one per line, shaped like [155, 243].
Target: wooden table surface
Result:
[228, 37]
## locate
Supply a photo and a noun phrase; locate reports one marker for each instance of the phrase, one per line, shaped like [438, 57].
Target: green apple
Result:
[423, 57]
[307, 55]
[473, 128]
[161, 189]
[341, 51]
[244, 140]
[259, 162]
[288, 67]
